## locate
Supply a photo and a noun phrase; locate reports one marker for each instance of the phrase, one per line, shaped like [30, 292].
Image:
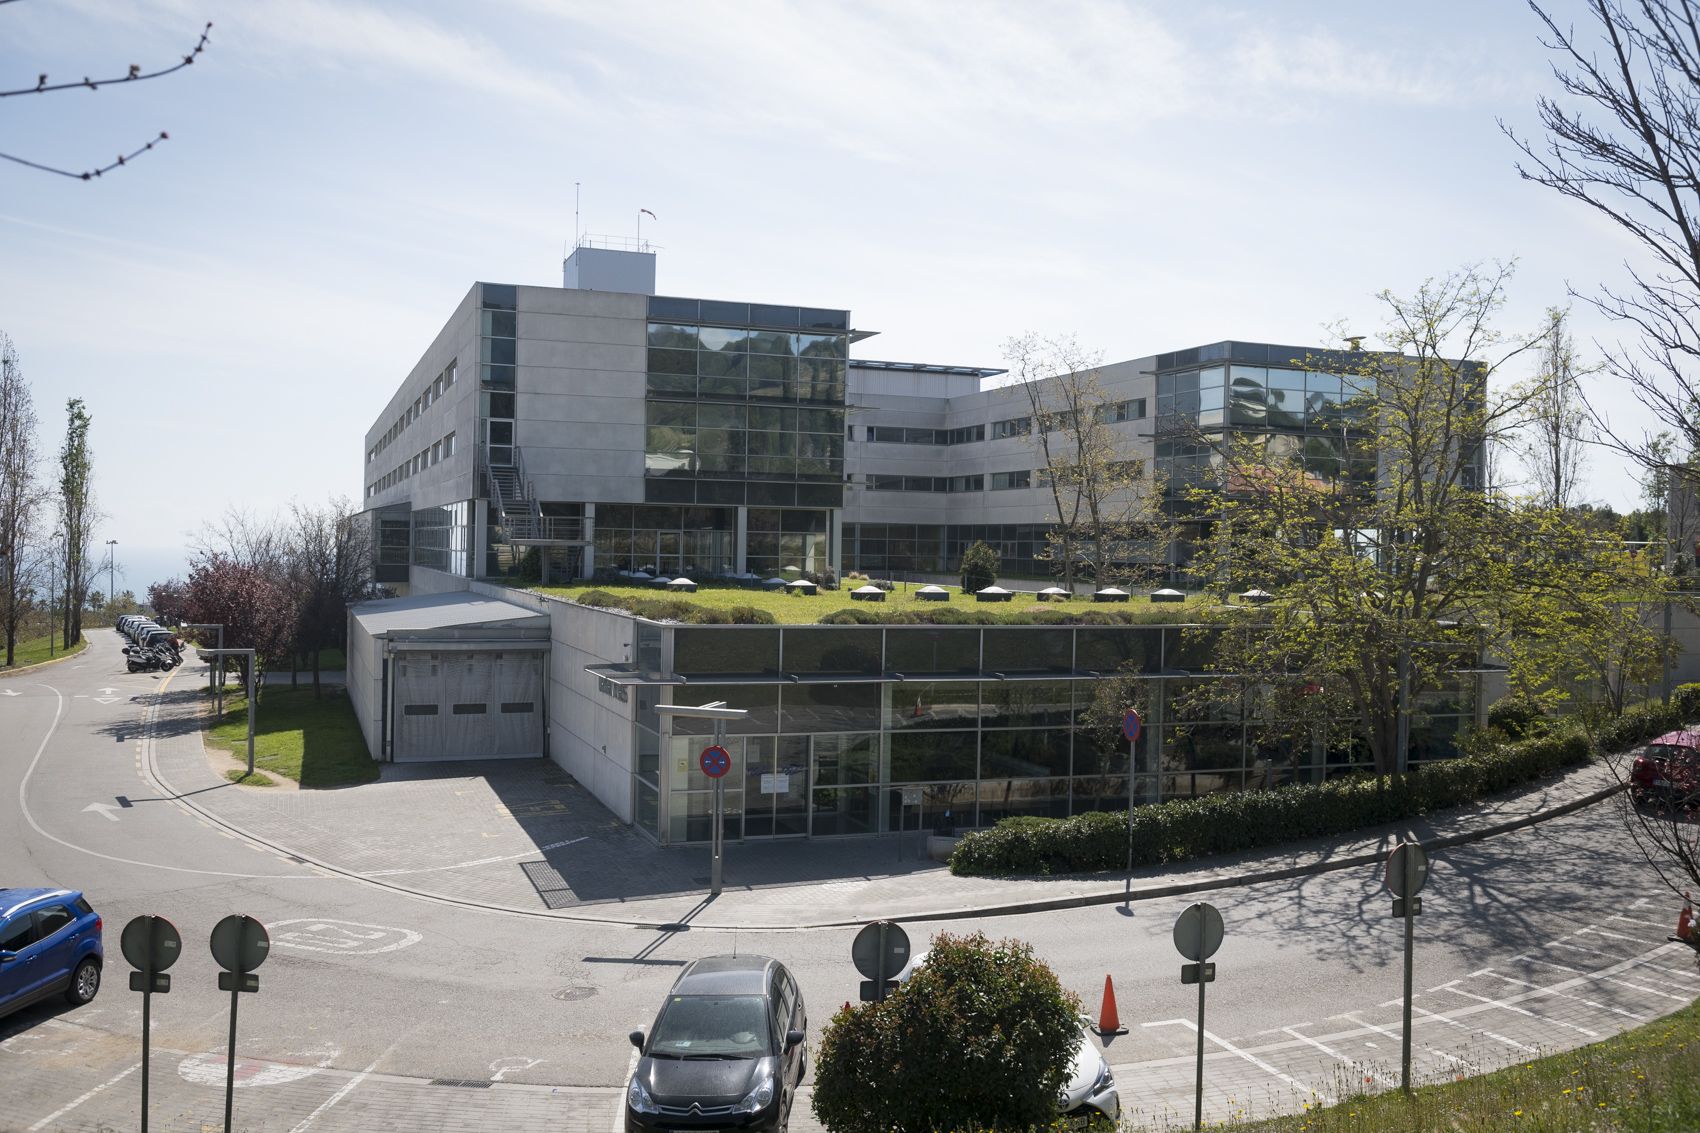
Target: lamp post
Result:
[110, 543]
[719, 713]
[53, 591]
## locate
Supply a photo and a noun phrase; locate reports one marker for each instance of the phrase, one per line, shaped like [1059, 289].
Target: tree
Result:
[255, 609]
[1554, 449]
[1623, 138]
[168, 600]
[1106, 510]
[1400, 569]
[980, 566]
[19, 493]
[134, 75]
[979, 1037]
[330, 566]
[77, 516]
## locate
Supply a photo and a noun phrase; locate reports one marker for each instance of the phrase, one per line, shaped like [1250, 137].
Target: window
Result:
[1021, 479]
[436, 452]
[17, 934]
[449, 445]
[1013, 427]
[469, 709]
[51, 919]
[516, 707]
[1132, 410]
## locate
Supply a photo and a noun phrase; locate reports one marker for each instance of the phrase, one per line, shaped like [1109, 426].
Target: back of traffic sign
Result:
[150, 943]
[1407, 869]
[240, 943]
[866, 950]
[1198, 932]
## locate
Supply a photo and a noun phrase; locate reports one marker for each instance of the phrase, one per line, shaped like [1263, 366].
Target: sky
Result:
[236, 307]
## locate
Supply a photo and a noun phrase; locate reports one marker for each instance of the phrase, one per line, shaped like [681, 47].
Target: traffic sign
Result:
[240, 943]
[715, 761]
[1132, 724]
[1407, 869]
[1198, 932]
[150, 943]
[1198, 973]
[880, 950]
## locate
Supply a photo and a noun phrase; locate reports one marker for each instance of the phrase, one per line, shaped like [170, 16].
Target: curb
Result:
[7, 674]
[1037, 905]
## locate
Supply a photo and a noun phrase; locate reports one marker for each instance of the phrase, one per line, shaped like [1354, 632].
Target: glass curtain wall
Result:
[987, 722]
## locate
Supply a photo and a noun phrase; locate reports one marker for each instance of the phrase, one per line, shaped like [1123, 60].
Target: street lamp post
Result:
[110, 543]
[53, 593]
[719, 713]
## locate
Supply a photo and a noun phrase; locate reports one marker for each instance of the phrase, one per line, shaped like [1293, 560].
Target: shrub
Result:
[1244, 820]
[980, 567]
[979, 1037]
[1515, 716]
[675, 609]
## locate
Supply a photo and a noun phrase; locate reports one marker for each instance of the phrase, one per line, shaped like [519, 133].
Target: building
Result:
[599, 428]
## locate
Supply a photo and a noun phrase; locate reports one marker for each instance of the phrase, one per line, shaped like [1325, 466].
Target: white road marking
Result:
[1344, 1059]
[1575, 948]
[347, 1088]
[619, 1125]
[1594, 931]
[1451, 1022]
[211, 1069]
[1633, 920]
[105, 810]
[1577, 998]
[1396, 1037]
[512, 1065]
[11, 692]
[1245, 1054]
[346, 938]
[81, 1098]
[478, 861]
[1608, 979]
[1512, 1007]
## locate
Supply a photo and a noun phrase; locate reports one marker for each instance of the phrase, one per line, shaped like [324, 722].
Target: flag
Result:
[649, 214]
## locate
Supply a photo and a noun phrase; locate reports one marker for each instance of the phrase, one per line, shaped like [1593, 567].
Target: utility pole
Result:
[110, 543]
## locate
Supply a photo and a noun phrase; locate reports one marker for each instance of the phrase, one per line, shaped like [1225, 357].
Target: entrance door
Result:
[776, 787]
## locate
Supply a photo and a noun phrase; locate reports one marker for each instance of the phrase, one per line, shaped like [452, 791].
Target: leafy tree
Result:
[168, 600]
[330, 566]
[979, 1037]
[1106, 507]
[255, 609]
[1388, 580]
[19, 494]
[979, 567]
[1554, 445]
[77, 516]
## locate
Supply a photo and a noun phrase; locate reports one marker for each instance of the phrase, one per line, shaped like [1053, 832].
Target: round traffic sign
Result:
[1198, 932]
[240, 943]
[865, 950]
[150, 943]
[1407, 869]
[715, 761]
[1132, 724]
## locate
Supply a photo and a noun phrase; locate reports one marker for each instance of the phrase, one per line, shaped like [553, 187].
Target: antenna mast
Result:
[576, 229]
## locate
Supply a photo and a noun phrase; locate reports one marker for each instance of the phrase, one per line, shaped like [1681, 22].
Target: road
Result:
[382, 1008]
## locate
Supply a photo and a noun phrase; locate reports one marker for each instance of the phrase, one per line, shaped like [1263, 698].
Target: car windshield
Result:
[1670, 751]
[712, 1026]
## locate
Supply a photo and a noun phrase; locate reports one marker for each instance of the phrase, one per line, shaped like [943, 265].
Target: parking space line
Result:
[1344, 1059]
[1512, 1007]
[1575, 948]
[1597, 931]
[1494, 1035]
[1608, 979]
[1633, 920]
[83, 1097]
[1247, 1055]
[1396, 1037]
[347, 1088]
[1566, 995]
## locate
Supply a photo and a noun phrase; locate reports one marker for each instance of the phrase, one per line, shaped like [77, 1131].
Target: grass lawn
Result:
[803, 609]
[34, 652]
[1643, 1081]
[316, 742]
[257, 779]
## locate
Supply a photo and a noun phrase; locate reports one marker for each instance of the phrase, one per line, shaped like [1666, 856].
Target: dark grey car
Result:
[727, 1050]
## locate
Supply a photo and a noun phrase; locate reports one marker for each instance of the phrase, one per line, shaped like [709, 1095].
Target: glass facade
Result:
[746, 404]
[442, 538]
[985, 721]
[922, 548]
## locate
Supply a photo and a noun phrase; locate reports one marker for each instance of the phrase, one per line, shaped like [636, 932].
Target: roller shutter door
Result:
[468, 705]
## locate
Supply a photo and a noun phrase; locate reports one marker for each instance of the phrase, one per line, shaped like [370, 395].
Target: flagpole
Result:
[640, 230]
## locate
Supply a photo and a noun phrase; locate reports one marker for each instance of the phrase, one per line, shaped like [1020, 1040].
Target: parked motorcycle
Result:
[150, 658]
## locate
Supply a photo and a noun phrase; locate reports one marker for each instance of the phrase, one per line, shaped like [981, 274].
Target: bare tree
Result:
[330, 559]
[1106, 508]
[19, 493]
[134, 75]
[1623, 138]
[1556, 436]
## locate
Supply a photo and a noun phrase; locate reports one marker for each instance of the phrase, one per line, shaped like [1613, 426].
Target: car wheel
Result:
[85, 981]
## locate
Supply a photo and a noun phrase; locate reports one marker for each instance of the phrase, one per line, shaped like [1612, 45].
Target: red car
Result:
[1667, 770]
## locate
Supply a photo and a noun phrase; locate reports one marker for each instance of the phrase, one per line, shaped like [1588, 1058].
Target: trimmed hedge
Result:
[676, 610]
[1244, 820]
[1058, 615]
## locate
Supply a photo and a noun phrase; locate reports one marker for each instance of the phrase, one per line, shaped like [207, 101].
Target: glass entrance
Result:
[776, 787]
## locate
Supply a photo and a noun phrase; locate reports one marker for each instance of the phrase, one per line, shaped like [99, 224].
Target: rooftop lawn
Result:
[803, 609]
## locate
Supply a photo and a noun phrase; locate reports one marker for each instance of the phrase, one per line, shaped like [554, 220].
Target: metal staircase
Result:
[515, 511]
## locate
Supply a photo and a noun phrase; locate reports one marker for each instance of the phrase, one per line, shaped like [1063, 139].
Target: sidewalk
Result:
[523, 837]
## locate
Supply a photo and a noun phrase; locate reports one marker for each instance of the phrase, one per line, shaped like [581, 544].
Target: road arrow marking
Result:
[103, 809]
[107, 691]
[105, 699]
[11, 692]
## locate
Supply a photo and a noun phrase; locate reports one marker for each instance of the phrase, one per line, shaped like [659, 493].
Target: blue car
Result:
[49, 945]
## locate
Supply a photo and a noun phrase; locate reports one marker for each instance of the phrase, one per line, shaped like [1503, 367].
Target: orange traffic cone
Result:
[1108, 1022]
[1685, 919]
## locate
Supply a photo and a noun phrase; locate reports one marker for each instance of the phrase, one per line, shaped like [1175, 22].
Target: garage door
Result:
[474, 705]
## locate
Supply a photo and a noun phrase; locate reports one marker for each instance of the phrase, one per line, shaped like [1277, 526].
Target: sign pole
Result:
[147, 1038]
[718, 842]
[1410, 935]
[879, 966]
[1198, 1080]
[230, 1060]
